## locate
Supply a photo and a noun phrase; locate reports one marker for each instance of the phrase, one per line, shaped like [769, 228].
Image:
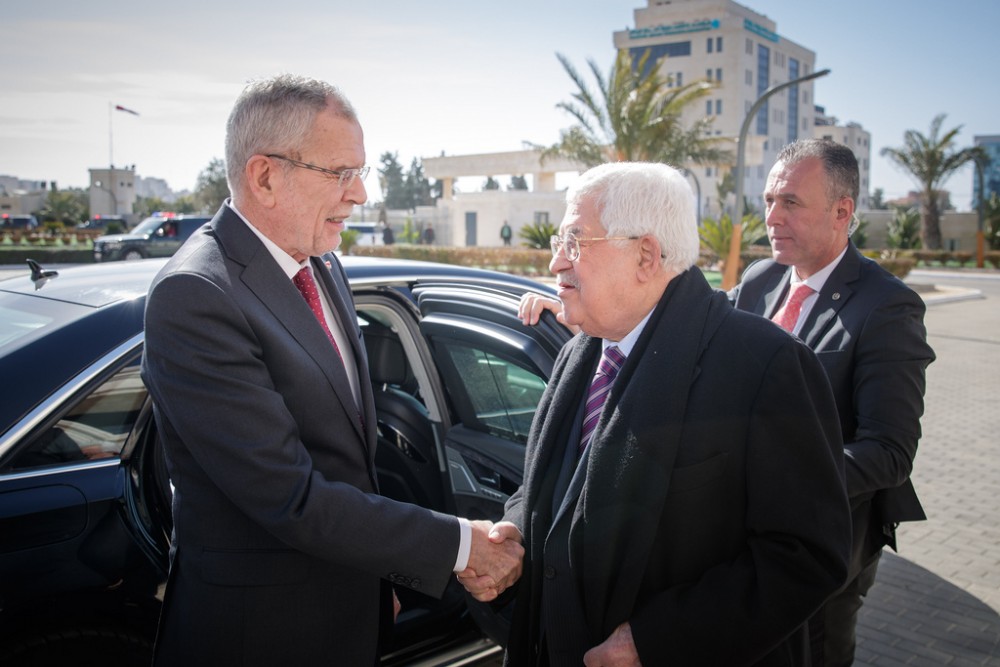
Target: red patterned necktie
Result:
[310, 292]
[788, 315]
[607, 370]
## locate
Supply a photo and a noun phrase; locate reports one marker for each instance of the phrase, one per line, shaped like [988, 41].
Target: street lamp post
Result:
[729, 276]
[697, 185]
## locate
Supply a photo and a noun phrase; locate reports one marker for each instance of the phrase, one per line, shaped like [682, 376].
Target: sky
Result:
[435, 77]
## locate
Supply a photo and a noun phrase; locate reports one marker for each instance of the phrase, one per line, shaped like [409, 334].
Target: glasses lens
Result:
[572, 247]
[554, 243]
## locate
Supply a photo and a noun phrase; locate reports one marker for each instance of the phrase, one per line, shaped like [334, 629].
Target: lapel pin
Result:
[329, 265]
[835, 296]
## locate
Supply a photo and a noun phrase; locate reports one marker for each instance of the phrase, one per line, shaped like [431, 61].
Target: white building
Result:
[742, 52]
[112, 191]
[858, 140]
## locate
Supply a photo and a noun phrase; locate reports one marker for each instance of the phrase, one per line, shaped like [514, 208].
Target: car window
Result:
[95, 427]
[504, 395]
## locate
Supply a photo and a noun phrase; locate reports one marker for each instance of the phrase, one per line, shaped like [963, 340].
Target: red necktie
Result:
[310, 292]
[788, 315]
[607, 371]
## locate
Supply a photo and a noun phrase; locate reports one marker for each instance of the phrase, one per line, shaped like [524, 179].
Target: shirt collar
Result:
[285, 261]
[626, 344]
[818, 279]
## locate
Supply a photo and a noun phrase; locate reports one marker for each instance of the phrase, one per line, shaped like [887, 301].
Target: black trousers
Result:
[832, 628]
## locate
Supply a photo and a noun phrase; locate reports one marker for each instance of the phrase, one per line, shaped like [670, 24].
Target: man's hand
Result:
[618, 650]
[495, 560]
[532, 306]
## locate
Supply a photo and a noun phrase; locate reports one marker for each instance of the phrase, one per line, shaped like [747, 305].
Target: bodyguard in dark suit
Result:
[867, 330]
[705, 519]
[283, 551]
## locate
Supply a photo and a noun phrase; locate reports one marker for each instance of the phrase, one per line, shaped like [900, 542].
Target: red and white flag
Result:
[119, 107]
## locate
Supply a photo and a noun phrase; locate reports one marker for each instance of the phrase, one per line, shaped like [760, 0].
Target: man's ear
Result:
[262, 178]
[650, 257]
[845, 210]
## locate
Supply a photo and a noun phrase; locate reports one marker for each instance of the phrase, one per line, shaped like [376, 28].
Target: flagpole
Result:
[111, 149]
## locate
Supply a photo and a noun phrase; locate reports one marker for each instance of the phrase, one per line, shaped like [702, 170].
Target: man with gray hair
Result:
[683, 499]
[283, 549]
[867, 329]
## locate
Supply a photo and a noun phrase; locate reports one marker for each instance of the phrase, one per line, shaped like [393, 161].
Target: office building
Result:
[742, 52]
[991, 173]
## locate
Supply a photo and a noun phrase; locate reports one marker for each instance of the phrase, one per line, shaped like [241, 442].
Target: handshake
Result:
[494, 560]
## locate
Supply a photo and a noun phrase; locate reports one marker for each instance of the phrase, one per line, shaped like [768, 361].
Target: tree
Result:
[517, 183]
[903, 231]
[716, 234]
[537, 234]
[418, 188]
[635, 115]
[211, 188]
[393, 183]
[70, 207]
[491, 184]
[146, 206]
[878, 200]
[931, 160]
[991, 221]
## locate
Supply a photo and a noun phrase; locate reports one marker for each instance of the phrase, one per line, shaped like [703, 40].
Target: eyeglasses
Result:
[571, 244]
[344, 176]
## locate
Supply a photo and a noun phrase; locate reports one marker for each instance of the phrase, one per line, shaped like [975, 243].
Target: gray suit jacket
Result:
[867, 329]
[281, 541]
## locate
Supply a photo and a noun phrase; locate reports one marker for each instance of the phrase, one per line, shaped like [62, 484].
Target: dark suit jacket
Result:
[281, 542]
[867, 328]
[712, 516]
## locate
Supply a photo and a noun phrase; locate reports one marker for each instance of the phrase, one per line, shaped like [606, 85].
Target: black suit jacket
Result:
[281, 543]
[867, 328]
[712, 515]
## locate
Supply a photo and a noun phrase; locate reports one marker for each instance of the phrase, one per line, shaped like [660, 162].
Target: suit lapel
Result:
[835, 293]
[343, 306]
[774, 293]
[264, 278]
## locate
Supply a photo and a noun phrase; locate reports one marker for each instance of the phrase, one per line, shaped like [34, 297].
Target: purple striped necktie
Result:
[611, 362]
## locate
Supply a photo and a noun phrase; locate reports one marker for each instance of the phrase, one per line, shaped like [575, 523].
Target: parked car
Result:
[84, 496]
[103, 222]
[23, 222]
[156, 236]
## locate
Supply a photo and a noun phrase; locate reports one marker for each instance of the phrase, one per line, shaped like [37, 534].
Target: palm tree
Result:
[931, 160]
[634, 116]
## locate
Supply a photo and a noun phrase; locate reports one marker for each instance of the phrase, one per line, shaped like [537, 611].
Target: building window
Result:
[541, 217]
[708, 74]
[749, 47]
[718, 74]
[672, 50]
[680, 78]
[749, 77]
[718, 45]
[708, 107]
[793, 100]
[718, 107]
[708, 172]
[763, 81]
[708, 45]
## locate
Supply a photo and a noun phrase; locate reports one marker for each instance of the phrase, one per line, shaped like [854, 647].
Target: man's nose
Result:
[356, 192]
[559, 263]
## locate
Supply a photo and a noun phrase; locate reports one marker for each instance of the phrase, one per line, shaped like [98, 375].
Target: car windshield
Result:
[148, 226]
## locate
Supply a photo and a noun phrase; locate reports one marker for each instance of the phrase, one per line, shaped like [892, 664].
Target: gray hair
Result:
[637, 198]
[839, 164]
[275, 115]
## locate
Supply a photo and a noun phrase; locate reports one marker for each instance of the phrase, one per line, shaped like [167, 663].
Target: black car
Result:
[84, 495]
[24, 222]
[156, 236]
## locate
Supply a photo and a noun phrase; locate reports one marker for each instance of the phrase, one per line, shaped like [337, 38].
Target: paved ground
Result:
[938, 601]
